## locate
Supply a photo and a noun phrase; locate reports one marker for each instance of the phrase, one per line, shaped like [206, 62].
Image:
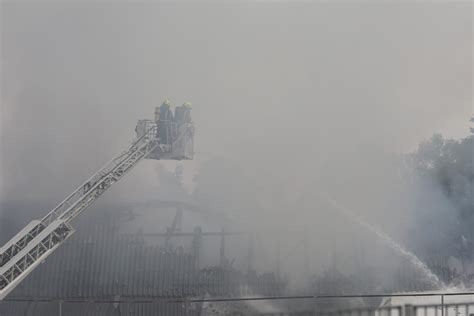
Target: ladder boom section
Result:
[29, 247]
[108, 179]
[16, 269]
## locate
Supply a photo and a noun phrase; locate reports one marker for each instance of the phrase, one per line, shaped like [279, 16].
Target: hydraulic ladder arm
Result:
[40, 238]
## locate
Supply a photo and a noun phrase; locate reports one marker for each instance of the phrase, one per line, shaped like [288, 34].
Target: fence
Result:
[447, 304]
[379, 311]
[456, 309]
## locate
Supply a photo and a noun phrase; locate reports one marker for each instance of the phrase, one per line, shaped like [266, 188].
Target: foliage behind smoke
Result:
[447, 165]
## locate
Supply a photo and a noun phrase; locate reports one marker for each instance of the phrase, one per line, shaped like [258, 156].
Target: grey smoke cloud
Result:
[305, 79]
[300, 96]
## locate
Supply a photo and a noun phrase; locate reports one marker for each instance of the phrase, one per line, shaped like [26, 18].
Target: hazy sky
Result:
[276, 87]
[295, 98]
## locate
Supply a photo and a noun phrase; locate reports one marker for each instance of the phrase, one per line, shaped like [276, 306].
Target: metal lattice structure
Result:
[40, 238]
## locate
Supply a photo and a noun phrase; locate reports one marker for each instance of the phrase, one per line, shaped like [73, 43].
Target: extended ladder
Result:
[40, 238]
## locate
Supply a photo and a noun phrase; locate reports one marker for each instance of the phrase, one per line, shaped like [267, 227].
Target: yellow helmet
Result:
[167, 103]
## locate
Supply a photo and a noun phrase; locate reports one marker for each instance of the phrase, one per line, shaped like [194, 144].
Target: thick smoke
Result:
[290, 100]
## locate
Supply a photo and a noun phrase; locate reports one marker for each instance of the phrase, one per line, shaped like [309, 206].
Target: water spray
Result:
[412, 258]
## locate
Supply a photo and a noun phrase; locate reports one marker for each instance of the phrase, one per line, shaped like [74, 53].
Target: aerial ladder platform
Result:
[168, 136]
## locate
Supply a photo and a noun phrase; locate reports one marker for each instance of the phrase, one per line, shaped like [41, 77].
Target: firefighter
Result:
[183, 113]
[179, 114]
[164, 126]
[165, 111]
[187, 112]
